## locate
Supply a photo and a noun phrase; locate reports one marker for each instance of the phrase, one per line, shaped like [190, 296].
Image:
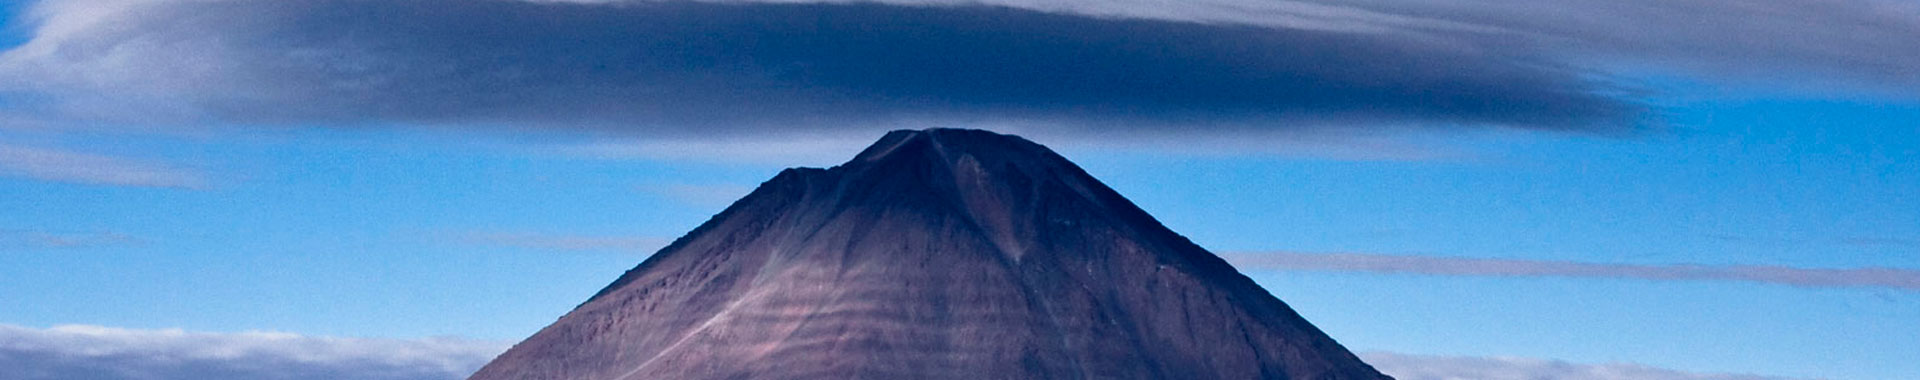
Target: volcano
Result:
[933, 254]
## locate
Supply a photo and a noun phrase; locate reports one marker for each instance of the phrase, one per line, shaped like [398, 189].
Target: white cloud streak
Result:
[703, 195]
[558, 242]
[50, 239]
[1871, 277]
[105, 353]
[94, 352]
[56, 165]
[818, 149]
[1423, 367]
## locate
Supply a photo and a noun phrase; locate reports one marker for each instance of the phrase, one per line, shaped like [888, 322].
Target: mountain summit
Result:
[934, 254]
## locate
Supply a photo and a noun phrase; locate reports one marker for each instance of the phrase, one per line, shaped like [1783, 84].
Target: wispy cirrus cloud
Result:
[818, 149]
[106, 353]
[1888, 278]
[1430, 367]
[55, 239]
[561, 242]
[57, 165]
[1864, 241]
[706, 195]
[1843, 241]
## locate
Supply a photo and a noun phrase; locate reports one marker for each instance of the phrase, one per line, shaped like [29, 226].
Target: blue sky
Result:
[138, 200]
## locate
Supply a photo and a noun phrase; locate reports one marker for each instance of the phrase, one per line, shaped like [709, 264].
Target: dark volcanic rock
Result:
[937, 254]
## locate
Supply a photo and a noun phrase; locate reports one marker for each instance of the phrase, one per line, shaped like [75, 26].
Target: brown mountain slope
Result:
[936, 254]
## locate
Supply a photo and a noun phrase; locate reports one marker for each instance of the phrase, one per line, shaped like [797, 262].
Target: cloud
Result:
[46, 239]
[104, 353]
[1853, 43]
[1878, 242]
[553, 242]
[1088, 69]
[1861, 44]
[101, 353]
[729, 69]
[1889, 278]
[91, 169]
[1423, 367]
[718, 194]
[1846, 241]
[826, 149]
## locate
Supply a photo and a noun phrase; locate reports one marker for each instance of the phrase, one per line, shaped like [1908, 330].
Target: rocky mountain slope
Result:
[935, 254]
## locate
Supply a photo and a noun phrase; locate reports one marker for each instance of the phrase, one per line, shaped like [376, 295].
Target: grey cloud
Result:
[102, 353]
[57, 165]
[1797, 44]
[1808, 44]
[1889, 278]
[690, 68]
[1426, 367]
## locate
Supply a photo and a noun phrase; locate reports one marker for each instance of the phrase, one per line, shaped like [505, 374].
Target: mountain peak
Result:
[933, 254]
[973, 157]
[1003, 185]
[949, 142]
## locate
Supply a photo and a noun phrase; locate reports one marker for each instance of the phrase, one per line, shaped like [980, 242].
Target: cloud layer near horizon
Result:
[105, 353]
[667, 68]
[1889, 278]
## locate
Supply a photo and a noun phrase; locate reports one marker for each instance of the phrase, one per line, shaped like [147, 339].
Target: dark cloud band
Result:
[702, 67]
